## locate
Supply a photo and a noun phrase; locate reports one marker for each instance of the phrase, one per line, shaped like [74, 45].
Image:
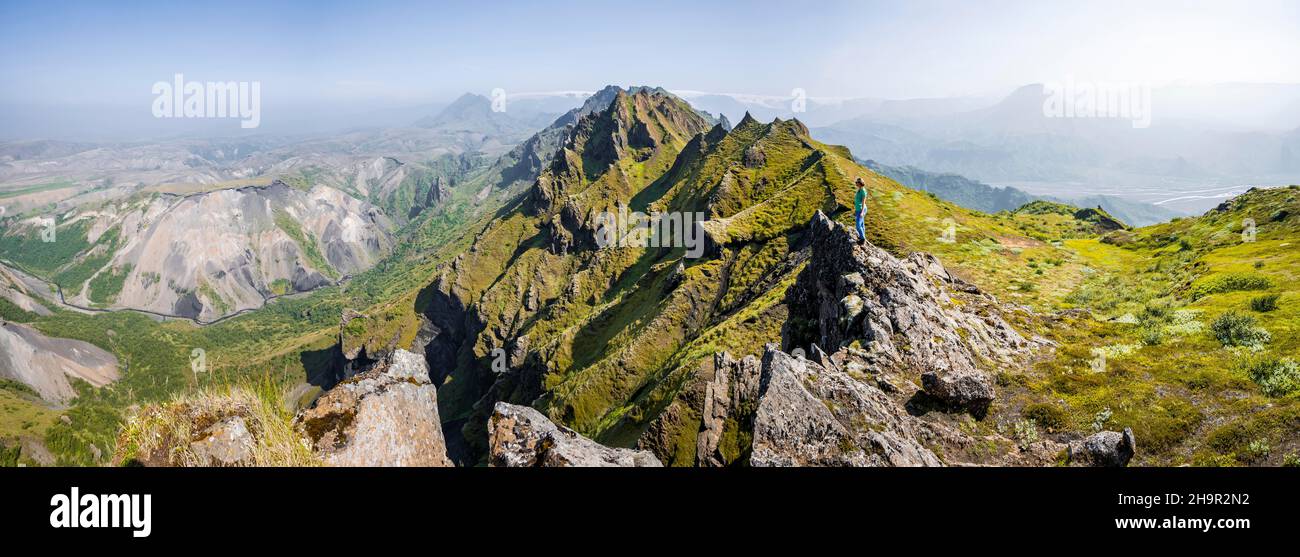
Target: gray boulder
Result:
[386, 416]
[519, 436]
[1107, 448]
[225, 443]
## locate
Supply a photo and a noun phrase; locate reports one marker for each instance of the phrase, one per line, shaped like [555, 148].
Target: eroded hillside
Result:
[201, 256]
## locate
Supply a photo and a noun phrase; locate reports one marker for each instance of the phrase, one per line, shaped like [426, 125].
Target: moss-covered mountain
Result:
[616, 342]
[612, 341]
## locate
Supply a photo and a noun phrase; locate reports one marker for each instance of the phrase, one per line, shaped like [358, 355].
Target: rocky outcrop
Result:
[386, 416]
[810, 415]
[228, 442]
[1106, 448]
[729, 397]
[842, 410]
[904, 313]
[519, 436]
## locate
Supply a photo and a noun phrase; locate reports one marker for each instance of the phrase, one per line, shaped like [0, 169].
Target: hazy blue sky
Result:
[111, 52]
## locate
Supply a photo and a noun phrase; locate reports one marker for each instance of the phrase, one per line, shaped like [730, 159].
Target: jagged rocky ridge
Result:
[908, 314]
[602, 339]
[893, 324]
[531, 258]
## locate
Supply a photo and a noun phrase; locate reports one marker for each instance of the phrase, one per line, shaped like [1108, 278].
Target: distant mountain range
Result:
[979, 196]
[473, 112]
[1183, 164]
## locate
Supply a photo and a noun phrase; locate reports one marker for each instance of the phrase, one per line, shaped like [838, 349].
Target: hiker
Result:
[860, 210]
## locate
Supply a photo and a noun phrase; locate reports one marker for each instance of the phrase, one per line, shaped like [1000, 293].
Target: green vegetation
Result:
[105, 287]
[26, 247]
[1166, 305]
[9, 455]
[280, 287]
[1275, 376]
[35, 189]
[303, 179]
[22, 414]
[11, 312]
[74, 276]
[306, 243]
[1048, 416]
[1264, 304]
[212, 298]
[1232, 282]
[1234, 329]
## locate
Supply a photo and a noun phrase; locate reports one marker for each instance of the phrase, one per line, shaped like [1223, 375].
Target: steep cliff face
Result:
[910, 314]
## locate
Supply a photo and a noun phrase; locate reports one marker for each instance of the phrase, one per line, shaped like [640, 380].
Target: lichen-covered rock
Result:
[967, 389]
[730, 395]
[1106, 448]
[226, 443]
[903, 309]
[519, 436]
[809, 415]
[387, 416]
[843, 410]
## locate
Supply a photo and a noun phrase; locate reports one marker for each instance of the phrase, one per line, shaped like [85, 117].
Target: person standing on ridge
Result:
[860, 210]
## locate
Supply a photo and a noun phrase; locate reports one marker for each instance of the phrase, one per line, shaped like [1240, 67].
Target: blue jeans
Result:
[862, 225]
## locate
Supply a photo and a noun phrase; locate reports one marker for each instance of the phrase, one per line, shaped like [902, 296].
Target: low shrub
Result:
[1264, 304]
[1025, 433]
[1275, 376]
[1234, 329]
[1235, 282]
[1048, 416]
